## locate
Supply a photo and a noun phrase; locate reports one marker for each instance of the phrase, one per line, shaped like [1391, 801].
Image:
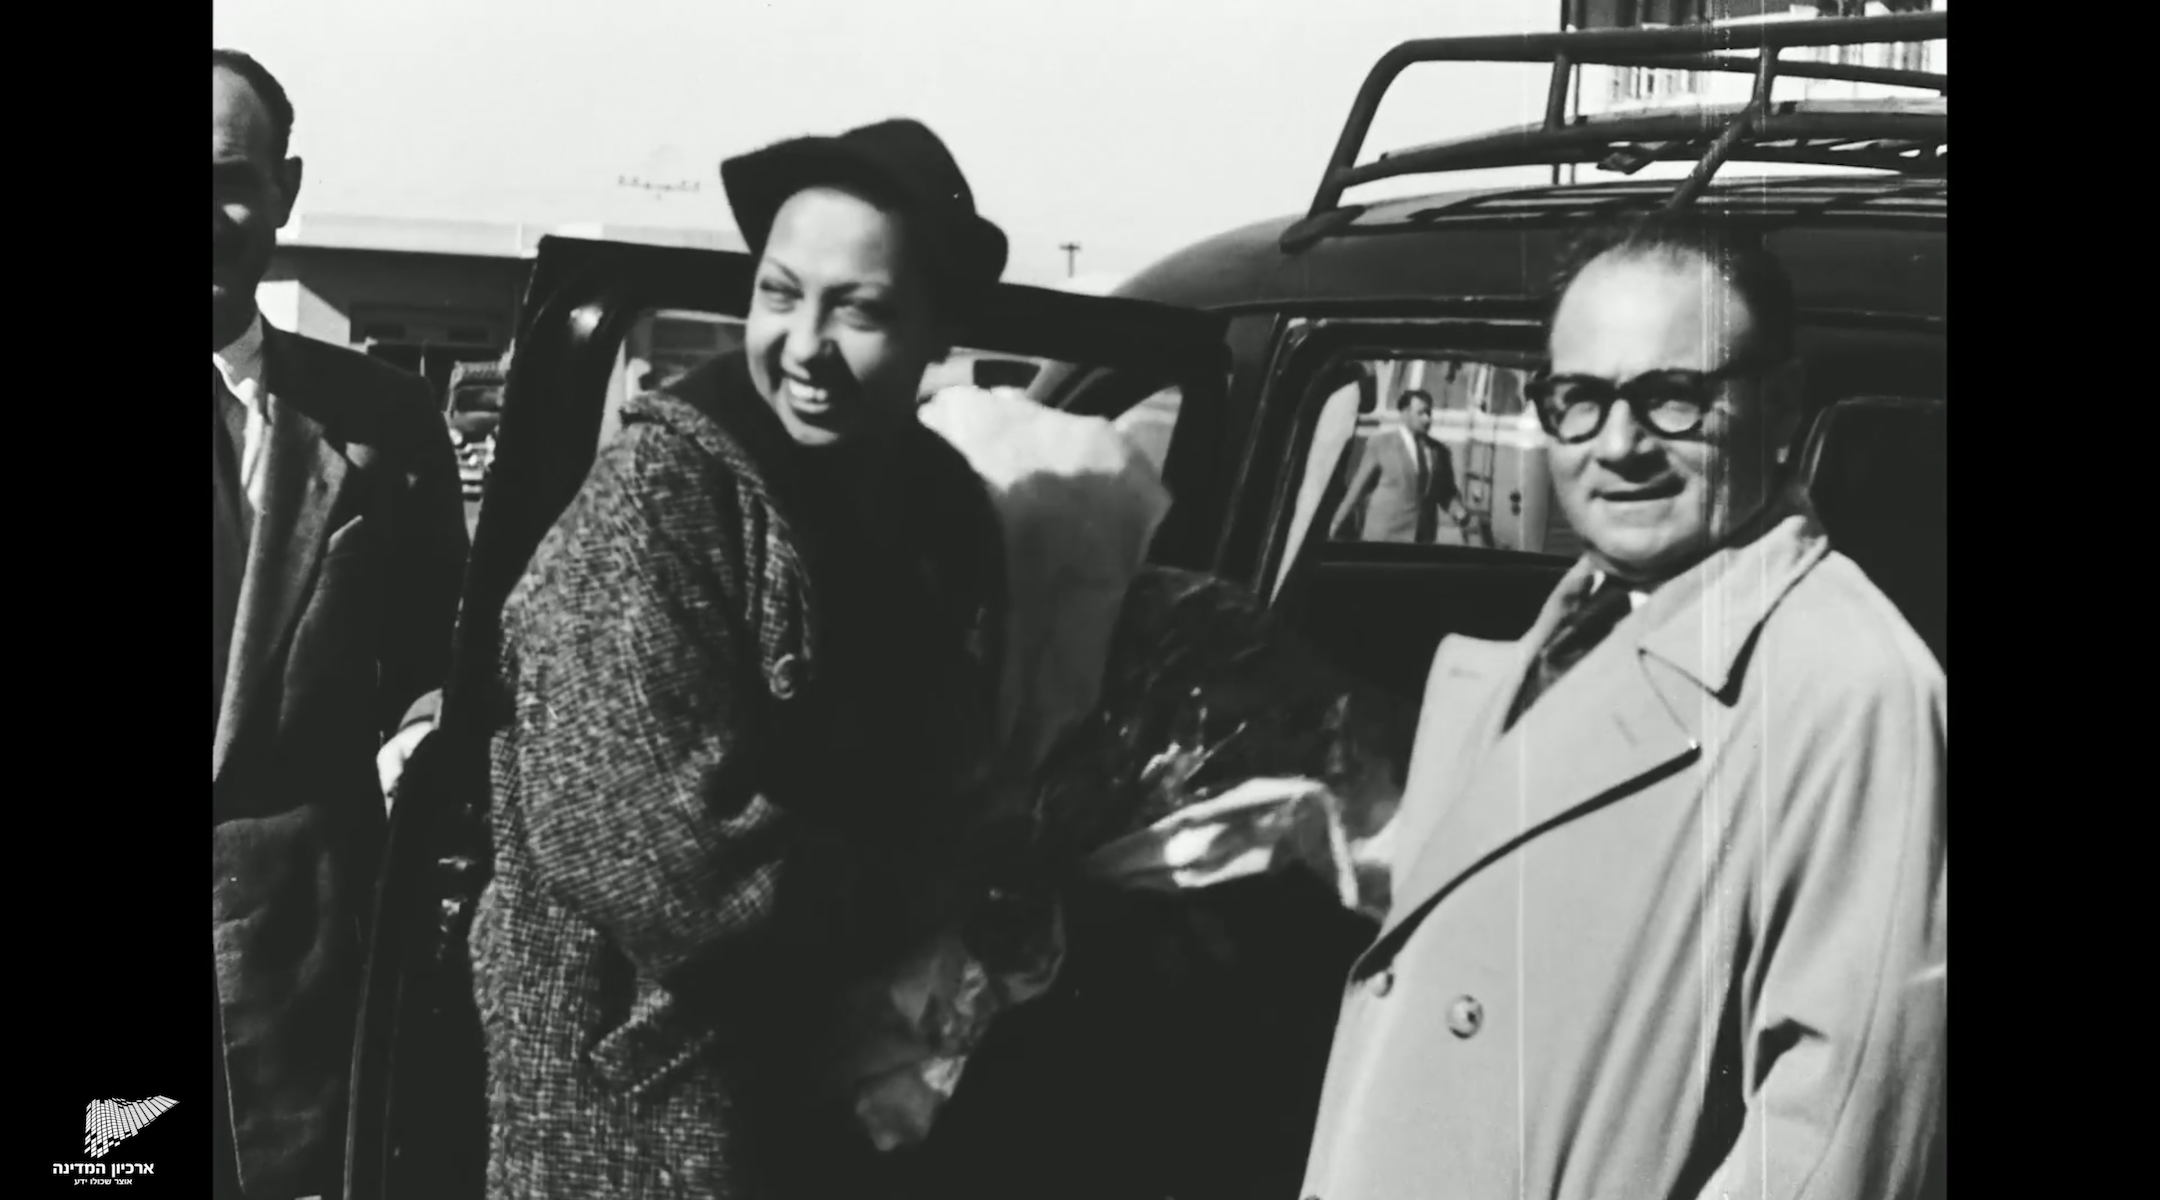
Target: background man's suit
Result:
[342, 592]
[1395, 497]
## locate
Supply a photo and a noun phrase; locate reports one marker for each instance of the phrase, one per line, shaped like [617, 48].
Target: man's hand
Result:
[391, 759]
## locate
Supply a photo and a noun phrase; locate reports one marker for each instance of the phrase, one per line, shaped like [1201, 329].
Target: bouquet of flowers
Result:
[1224, 747]
[1160, 733]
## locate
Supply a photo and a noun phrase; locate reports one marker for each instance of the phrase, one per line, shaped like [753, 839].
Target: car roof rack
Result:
[1906, 136]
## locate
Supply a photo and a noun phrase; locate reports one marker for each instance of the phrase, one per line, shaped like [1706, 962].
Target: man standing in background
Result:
[338, 549]
[1404, 483]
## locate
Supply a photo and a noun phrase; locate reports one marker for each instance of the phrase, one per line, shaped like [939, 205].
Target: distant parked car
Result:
[473, 408]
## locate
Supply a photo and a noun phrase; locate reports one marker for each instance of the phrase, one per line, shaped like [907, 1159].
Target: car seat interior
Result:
[1875, 469]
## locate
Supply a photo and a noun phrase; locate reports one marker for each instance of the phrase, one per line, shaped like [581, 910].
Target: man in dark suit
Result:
[1405, 481]
[337, 547]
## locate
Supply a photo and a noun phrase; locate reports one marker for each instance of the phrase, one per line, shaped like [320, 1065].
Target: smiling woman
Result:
[754, 672]
[870, 254]
[840, 331]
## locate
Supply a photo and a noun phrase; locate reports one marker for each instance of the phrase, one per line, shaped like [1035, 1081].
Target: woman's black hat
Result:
[898, 160]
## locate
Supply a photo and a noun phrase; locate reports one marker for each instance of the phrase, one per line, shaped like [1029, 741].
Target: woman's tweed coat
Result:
[739, 697]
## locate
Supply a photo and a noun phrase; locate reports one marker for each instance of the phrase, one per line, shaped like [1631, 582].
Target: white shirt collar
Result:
[241, 363]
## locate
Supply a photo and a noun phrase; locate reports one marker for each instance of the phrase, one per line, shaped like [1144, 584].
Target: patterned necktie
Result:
[1576, 635]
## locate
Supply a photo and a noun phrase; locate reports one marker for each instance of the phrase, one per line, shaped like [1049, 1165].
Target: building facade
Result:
[1602, 91]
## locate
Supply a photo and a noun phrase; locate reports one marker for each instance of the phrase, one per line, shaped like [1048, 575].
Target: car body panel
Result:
[1830, 230]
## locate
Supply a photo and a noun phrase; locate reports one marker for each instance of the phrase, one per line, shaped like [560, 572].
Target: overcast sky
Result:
[1129, 126]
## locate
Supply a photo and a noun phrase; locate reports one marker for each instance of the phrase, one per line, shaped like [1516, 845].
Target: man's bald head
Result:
[1732, 252]
[277, 106]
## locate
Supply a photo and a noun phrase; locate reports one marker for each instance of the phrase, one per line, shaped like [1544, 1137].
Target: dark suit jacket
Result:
[734, 711]
[1396, 500]
[344, 627]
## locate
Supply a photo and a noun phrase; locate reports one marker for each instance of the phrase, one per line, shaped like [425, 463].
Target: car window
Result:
[1340, 412]
[662, 346]
[1147, 411]
[1429, 451]
[1149, 424]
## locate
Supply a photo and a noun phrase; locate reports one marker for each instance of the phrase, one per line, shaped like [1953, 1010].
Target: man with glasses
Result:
[1669, 880]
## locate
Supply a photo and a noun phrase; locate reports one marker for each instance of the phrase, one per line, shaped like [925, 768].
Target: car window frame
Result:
[1311, 349]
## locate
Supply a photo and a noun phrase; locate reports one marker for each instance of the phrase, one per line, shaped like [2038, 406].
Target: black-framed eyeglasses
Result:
[1671, 403]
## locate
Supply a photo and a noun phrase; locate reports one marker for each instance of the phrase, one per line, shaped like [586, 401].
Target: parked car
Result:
[472, 407]
[1235, 348]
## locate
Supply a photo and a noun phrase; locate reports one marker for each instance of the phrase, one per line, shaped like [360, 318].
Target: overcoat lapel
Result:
[1630, 713]
[228, 566]
[1602, 733]
[303, 475]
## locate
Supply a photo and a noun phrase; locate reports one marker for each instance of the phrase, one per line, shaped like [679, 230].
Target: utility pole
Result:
[1071, 250]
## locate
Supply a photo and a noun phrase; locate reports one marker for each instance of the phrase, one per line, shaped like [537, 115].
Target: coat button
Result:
[785, 676]
[1465, 1017]
[1383, 983]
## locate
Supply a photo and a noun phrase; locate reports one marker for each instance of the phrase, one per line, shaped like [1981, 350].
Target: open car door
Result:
[418, 1120]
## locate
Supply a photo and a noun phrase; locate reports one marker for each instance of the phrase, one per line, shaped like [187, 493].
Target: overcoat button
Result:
[1465, 1017]
[1383, 983]
[785, 677]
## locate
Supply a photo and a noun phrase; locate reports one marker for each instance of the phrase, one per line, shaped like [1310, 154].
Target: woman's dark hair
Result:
[1737, 251]
[267, 87]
